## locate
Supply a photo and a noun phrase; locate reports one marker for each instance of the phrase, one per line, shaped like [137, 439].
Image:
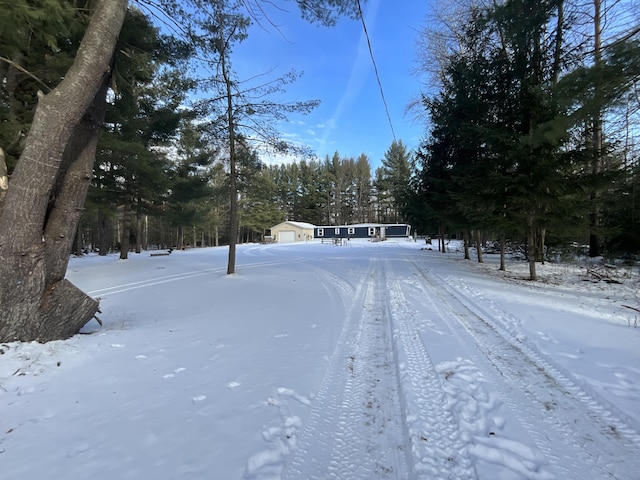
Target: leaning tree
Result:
[40, 211]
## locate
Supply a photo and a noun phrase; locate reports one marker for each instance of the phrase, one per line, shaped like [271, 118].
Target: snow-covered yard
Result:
[366, 361]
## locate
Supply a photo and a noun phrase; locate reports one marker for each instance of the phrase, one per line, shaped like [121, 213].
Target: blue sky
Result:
[338, 71]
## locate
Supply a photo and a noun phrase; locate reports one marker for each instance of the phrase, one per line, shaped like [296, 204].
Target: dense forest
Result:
[192, 208]
[533, 126]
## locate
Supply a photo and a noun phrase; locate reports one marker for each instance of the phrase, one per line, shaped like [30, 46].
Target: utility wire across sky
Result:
[375, 68]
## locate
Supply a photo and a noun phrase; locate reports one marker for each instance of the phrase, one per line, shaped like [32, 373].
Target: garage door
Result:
[287, 236]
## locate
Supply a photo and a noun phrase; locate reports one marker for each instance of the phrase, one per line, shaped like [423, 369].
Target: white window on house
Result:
[321, 232]
[336, 230]
[372, 231]
[352, 231]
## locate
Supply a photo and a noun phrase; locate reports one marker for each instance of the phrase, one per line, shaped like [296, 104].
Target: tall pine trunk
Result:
[233, 179]
[125, 235]
[479, 245]
[41, 211]
[503, 245]
[540, 239]
[138, 228]
[595, 218]
[105, 234]
[180, 237]
[466, 245]
[531, 247]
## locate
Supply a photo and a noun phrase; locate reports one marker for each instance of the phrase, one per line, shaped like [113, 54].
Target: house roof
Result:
[365, 225]
[303, 225]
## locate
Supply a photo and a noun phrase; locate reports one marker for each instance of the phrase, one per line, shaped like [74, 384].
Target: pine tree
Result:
[392, 182]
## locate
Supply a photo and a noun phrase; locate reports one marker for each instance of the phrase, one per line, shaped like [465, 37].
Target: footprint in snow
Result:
[177, 370]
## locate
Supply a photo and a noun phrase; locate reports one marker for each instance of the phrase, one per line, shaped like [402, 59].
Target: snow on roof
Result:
[299, 224]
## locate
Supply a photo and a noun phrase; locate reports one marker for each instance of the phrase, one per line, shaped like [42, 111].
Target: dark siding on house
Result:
[362, 231]
[398, 230]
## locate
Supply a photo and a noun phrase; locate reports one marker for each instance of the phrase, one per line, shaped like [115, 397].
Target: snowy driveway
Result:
[367, 361]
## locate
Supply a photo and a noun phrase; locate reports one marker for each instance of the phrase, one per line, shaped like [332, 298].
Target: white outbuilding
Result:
[288, 232]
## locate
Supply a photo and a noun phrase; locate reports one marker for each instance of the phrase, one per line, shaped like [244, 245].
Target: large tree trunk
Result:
[47, 190]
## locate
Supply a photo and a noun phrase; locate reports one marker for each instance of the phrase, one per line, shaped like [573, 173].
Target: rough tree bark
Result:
[43, 204]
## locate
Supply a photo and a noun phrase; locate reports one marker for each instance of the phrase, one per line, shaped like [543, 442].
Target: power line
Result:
[375, 68]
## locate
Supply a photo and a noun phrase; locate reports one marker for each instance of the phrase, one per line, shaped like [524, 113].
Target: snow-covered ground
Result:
[366, 361]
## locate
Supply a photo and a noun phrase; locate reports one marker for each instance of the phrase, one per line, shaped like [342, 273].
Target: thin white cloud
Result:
[359, 70]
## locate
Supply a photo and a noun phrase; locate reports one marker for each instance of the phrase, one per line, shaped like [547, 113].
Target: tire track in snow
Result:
[474, 404]
[355, 429]
[103, 292]
[578, 436]
[150, 282]
[488, 309]
[437, 448]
